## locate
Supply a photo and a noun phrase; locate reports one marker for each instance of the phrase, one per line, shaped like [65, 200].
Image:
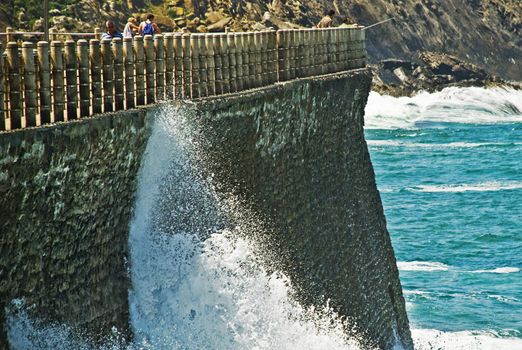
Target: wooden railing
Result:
[61, 81]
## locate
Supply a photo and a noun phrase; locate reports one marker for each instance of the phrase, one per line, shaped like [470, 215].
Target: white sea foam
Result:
[430, 339]
[478, 187]
[422, 266]
[393, 143]
[458, 105]
[501, 270]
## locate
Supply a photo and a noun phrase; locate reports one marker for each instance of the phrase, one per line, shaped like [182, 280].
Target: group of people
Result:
[149, 27]
[146, 27]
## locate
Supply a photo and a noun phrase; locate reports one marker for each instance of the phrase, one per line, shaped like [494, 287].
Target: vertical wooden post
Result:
[187, 66]
[96, 76]
[211, 65]
[218, 63]
[44, 78]
[108, 75]
[306, 52]
[178, 63]
[160, 67]
[363, 47]
[203, 76]
[245, 59]
[264, 58]
[232, 62]
[240, 74]
[169, 65]
[3, 114]
[128, 63]
[52, 35]
[223, 44]
[139, 66]
[8, 36]
[71, 78]
[194, 59]
[272, 56]
[257, 58]
[97, 33]
[57, 72]
[14, 85]
[29, 83]
[82, 54]
[284, 63]
[117, 52]
[252, 70]
[149, 68]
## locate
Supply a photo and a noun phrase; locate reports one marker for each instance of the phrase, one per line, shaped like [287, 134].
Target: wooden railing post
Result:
[148, 44]
[245, 60]
[194, 59]
[223, 50]
[82, 54]
[240, 74]
[265, 57]
[139, 66]
[44, 72]
[96, 75]
[57, 73]
[29, 83]
[108, 75]
[178, 63]
[203, 76]
[128, 63]
[8, 36]
[187, 66]
[252, 69]
[218, 64]
[169, 65]
[307, 44]
[3, 115]
[160, 67]
[211, 65]
[71, 78]
[282, 45]
[257, 59]
[97, 33]
[14, 86]
[232, 62]
[272, 56]
[117, 52]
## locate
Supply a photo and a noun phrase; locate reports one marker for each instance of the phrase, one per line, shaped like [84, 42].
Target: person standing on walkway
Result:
[111, 31]
[148, 27]
[131, 28]
[327, 20]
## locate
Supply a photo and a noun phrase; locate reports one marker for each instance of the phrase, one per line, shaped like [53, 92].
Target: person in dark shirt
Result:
[111, 31]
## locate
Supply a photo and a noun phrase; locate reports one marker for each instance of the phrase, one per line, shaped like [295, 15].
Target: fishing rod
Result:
[381, 22]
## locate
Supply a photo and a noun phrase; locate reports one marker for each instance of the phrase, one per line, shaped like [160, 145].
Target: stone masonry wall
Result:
[296, 153]
[66, 195]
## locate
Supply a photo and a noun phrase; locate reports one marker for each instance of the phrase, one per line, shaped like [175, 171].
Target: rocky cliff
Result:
[483, 32]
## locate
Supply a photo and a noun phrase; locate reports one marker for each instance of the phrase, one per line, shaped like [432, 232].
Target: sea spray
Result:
[201, 284]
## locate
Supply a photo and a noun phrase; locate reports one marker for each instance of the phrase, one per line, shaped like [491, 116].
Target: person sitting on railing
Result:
[148, 27]
[131, 28]
[327, 20]
[111, 31]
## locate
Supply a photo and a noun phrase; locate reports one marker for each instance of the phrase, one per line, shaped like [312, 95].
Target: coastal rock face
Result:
[435, 72]
[487, 33]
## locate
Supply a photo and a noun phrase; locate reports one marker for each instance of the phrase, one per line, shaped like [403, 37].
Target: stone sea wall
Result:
[293, 152]
[67, 193]
[296, 154]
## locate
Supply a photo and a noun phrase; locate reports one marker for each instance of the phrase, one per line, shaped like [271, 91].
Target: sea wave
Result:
[477, 187]
[429, 339]
[421, 266]
[501, 270]
[392, 143]
[451, 105]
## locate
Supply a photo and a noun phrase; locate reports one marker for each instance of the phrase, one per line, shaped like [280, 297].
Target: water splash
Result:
[453, 105]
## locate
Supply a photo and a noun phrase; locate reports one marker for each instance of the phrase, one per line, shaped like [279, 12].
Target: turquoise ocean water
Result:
[449, 169]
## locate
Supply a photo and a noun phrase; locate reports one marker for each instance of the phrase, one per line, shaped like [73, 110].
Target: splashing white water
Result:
[457, 105]
[431, 339]
[189, 293]
[422, 266]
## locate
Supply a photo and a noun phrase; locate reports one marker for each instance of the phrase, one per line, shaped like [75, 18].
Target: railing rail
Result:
[61, 81]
